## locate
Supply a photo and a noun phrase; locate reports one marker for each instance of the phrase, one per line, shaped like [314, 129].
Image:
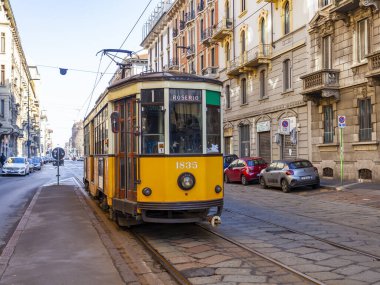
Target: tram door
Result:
[126, 149]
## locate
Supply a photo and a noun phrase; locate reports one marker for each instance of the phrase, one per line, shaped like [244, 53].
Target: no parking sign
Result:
[341, 121]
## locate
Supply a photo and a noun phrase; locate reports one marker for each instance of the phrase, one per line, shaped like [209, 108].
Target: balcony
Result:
[321, 84]
[210, 72]
[345, 6]
[182, 25]
[373, 74]
[222, 30]
[175, 33]
[235, 66]
[190, 52]
[258, 55]
[189, 17]
[173, 64]
[206, 36]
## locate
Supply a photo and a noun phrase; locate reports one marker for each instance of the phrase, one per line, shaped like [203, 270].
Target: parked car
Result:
[244, 170]
[31, 165]
[81, 158]
[290, 173]
[37, 161]
[227, 159]
[16, 165]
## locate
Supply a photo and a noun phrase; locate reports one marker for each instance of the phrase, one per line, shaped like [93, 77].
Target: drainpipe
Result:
[271, 23]
[233, 25]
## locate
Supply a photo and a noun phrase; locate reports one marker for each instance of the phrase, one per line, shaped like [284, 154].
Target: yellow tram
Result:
[153, 149]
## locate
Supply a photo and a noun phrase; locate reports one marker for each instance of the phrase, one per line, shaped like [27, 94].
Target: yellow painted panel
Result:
[161, 174]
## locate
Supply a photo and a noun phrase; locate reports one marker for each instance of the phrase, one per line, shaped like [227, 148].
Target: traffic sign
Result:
[58, 153]
[341, 121]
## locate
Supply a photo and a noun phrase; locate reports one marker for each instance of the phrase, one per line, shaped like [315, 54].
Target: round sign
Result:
[58, 153]
[342, 119]
[285, 123]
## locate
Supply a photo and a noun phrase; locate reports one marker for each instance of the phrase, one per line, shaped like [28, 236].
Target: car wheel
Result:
[244, 180]
[262, 183]
[226, 179]
[285, 186]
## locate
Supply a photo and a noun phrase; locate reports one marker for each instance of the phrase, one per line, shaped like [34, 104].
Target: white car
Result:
[16, 165]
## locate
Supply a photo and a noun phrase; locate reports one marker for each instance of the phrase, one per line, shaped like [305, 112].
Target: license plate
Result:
[305, 177]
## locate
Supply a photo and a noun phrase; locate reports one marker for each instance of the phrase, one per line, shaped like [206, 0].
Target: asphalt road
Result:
[16, 193]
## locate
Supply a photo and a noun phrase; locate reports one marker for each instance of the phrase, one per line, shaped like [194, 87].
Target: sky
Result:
[68, 34]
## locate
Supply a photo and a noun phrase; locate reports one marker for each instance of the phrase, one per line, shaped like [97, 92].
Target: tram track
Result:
[326, 241]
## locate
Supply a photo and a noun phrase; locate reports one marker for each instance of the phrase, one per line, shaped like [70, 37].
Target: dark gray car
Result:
[290, 173]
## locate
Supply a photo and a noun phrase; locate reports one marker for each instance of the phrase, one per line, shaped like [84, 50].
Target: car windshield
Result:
[254, 162]
[36, 159]
[300, 164]
[15, 160]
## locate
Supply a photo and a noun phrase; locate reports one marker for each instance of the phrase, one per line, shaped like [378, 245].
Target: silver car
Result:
[290, 173]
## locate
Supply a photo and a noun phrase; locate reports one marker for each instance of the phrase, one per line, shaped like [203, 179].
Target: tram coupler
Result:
[214, 220]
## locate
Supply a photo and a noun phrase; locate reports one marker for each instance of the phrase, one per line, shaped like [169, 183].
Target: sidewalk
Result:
[335, 184]
[56, 242]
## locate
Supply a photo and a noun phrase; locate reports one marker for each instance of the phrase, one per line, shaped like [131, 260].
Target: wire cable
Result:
[126, 38]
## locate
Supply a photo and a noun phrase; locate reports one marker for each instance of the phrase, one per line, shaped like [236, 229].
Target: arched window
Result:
[243, 91]
[286, 18]
[242, 41]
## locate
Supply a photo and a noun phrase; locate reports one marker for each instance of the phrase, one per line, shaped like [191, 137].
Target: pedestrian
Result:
[2, 159]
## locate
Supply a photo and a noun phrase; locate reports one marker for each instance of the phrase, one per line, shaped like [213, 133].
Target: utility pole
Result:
[28, 126]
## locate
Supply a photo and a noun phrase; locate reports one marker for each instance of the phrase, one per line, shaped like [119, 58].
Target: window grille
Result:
[328, 136]
[365, 126]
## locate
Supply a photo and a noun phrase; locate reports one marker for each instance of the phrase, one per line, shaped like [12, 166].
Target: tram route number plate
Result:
[186, 165]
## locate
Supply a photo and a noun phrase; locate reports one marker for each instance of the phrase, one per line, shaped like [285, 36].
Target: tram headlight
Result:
[186, 181]
[147, 191]
[218, 189]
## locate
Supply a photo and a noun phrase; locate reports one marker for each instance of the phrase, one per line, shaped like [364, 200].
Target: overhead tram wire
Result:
[69, 69]
[95, 84]
[126, 38]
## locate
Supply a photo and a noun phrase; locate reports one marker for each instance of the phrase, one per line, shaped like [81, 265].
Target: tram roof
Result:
[164, 76]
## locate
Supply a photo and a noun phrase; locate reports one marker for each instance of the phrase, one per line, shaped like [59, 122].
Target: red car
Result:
[244, 170]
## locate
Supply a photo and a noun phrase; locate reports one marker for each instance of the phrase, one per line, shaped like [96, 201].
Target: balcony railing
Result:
[182, 25]
[173, 64]
[373, 74]
[258, 55]
[210, 71]
[206, 35]
[321, 84]
[222, 29]
[234, 67]
[189, 16]
[175, 32]
[190, 51]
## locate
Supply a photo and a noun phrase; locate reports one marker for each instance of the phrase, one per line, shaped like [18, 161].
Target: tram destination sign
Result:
[186, 98]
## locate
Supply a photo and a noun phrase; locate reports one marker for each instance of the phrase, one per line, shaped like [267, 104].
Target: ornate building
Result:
[19, 104]
[343, 80]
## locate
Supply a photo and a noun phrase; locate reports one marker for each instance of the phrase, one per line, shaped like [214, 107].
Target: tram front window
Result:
[185, 121]
[152, 121]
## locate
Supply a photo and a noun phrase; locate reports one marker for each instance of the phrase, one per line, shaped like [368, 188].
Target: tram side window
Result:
[152, 121]
[185, 120]
[213, 122]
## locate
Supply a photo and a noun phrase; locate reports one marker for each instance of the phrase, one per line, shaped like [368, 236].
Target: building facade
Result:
[343, 80]
[19, 104]
[289, 69]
